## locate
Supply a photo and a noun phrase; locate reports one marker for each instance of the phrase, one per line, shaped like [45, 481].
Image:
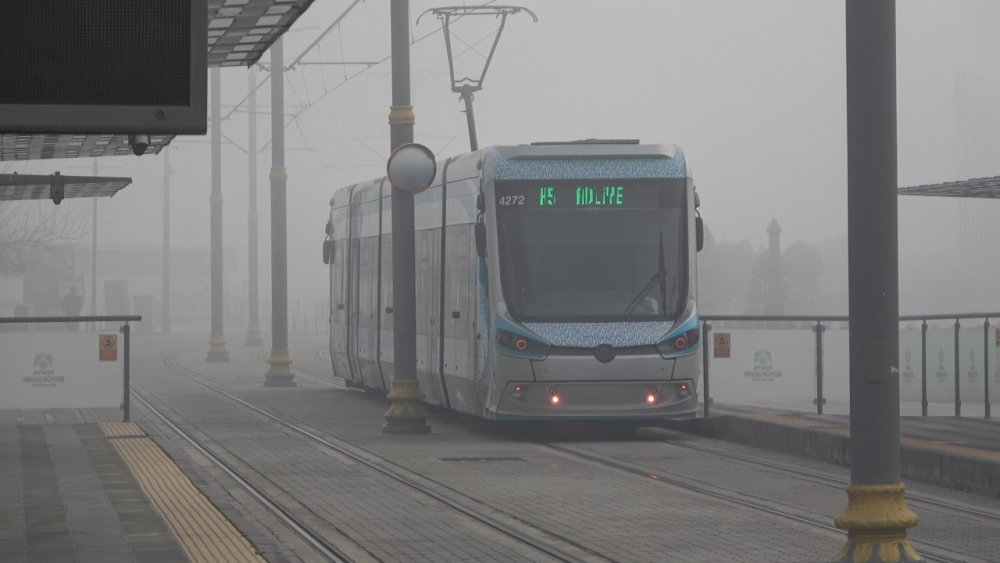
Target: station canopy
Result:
[15, 187]
[239, 33]
[982, 188]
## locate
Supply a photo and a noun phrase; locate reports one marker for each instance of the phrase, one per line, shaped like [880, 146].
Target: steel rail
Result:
[509, 531]
[695, 486]
[328, 550]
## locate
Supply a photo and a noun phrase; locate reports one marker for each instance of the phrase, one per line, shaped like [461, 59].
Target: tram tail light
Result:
[554, 396]
[683, 390]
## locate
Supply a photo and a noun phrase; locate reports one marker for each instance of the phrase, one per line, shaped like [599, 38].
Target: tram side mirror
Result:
[327, 251]
[699, 233]
[481, 240]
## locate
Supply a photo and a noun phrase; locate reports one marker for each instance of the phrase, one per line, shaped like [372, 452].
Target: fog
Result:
[752, 91]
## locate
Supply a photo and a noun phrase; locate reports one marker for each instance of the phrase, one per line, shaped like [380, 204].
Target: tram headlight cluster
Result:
[521, 345]
[679, 343]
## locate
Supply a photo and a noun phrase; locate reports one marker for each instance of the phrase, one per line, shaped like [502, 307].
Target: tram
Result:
[554, 281]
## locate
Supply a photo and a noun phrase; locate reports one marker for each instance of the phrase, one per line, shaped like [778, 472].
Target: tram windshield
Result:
[598, 250]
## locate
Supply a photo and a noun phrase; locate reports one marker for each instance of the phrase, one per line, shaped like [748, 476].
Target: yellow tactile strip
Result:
[203, 531]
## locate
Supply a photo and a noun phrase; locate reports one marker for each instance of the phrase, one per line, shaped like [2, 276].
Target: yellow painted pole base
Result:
[876, 520]
[280, 373]
[217, 349]
[406, 413]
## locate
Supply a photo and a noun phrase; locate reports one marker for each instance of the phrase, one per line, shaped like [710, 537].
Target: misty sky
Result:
[753, 92]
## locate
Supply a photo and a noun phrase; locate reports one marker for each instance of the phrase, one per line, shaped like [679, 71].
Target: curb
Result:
[929, 464]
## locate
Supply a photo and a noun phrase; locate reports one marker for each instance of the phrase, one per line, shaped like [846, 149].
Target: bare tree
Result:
[32, 229]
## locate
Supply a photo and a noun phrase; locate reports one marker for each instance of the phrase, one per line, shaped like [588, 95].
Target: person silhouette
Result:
[72, 304]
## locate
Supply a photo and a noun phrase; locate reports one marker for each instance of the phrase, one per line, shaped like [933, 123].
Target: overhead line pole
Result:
[406, 413]
[280, 373]
[217, 351]
[876, 517]
[253, 339]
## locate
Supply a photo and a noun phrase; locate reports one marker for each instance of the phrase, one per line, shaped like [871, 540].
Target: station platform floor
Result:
[211, 452]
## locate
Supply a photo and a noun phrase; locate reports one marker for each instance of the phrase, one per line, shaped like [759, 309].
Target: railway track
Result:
[539, 539]
[930, 551]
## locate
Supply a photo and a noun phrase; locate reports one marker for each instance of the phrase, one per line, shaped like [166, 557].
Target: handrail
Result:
[845, 318]
[101, 318]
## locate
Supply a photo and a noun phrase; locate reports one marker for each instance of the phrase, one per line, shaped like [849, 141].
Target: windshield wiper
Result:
[660, 274]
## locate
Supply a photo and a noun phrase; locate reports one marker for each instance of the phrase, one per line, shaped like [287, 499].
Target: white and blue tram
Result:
[554, 281]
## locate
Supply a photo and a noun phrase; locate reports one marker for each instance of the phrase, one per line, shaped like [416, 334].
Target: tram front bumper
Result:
[592, 400]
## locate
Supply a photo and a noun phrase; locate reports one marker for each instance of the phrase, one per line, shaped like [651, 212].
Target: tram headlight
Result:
[521, 345]
[679, 343]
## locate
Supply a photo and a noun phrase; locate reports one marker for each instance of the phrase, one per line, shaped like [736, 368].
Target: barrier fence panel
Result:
[60, 364]
[940, 368]
[763, 366]
[993, 354]
[947, 363]
[911, 369]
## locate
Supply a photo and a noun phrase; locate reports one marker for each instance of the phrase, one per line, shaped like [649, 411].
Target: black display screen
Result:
[96, 52]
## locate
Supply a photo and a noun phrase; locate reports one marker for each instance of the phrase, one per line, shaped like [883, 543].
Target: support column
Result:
[280, 373]
[165, 297]
[253, 339]
[93, 251]
[876, 517]
[406, 414]
[217, 351]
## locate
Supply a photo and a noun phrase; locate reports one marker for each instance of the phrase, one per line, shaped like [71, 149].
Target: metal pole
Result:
[986, 367]
[125, 362]
[706, 331]
[280, 372]
[217, 351]
[958, 397]
[819, 367]
[93, 252]
[406, 414]
[923, 369]
[876, 517]
[165, 298]
[470, 117]
[253, 339]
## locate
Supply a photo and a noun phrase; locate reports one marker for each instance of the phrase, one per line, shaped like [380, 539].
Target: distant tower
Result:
[774, 304]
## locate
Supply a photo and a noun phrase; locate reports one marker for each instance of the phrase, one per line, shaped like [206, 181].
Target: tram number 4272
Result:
[509, 200]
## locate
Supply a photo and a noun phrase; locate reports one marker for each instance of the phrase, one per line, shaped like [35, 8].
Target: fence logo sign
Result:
[942, 372]
[907, 367]
[973, 373]
[108, 348]
[44, 374]
[763, 369]
[722, 342]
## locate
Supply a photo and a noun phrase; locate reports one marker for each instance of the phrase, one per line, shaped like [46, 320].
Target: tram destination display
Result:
[588, 194]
